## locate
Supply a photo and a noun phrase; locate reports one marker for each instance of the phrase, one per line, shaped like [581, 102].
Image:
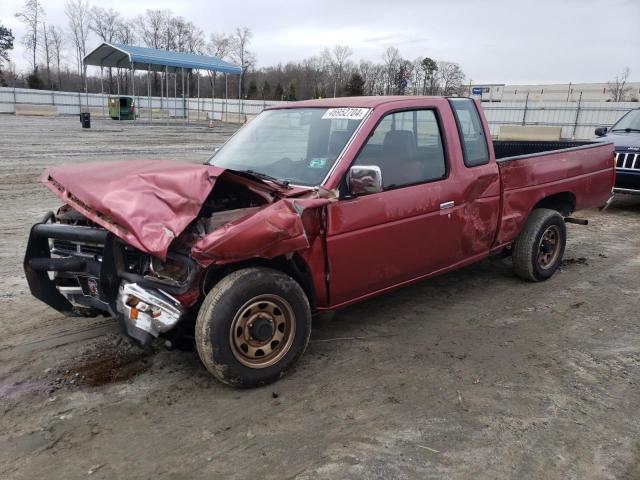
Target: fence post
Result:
[575, 124]
[524, 114]
[15, 100]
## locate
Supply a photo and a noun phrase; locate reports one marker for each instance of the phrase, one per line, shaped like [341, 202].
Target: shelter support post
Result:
[149, 94]
[118, 86]
[133, 93]
[184, 112]
[189, 73]
[102, 91]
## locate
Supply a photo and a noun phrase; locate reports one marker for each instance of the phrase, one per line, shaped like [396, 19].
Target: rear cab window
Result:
[471, 131]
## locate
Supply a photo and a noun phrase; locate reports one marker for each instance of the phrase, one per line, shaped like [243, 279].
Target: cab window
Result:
[472, 137]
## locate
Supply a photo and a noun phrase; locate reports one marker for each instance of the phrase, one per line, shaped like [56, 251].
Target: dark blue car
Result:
[625, 135]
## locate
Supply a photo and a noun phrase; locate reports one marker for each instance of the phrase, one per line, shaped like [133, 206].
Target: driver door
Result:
[383, 239]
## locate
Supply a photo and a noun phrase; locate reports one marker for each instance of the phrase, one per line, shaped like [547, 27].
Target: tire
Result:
[252, 327]
[535, 256]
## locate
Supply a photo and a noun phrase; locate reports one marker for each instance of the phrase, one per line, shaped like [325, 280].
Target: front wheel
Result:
[252, 327]
[539, 248]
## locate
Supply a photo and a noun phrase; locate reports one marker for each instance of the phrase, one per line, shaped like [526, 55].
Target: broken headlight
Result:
[171, 270]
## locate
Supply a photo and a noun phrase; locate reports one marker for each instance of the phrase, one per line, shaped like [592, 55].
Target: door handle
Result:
[446, 205]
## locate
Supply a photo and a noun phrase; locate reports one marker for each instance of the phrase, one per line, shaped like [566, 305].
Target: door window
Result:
[408, 148]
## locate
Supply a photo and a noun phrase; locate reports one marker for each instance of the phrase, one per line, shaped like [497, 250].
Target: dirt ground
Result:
[474, 374]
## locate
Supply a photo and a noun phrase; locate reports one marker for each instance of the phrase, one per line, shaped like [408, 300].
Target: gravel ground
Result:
[474, 374]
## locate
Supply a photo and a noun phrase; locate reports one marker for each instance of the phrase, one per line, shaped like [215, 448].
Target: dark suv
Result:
[625, 135]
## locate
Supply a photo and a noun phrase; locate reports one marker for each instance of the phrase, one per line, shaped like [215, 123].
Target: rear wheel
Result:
[539, 248]
[253, 326]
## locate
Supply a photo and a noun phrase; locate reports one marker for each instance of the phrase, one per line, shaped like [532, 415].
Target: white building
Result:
[555, 92]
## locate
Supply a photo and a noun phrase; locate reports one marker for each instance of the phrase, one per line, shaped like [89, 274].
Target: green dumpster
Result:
[122, 108]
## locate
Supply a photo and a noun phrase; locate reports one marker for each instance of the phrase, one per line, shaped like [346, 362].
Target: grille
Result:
[63, 247]
[627, 161]
[135, 261]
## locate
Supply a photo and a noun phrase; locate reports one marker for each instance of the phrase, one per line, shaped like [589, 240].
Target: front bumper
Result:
[627, 181]
[627, 172]
[80, 270]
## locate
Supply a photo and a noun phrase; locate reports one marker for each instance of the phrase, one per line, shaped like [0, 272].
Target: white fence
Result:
[155, 109]
[578, 120]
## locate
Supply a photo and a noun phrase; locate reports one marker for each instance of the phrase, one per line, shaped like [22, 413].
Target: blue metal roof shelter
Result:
[132, 58]
[143, 58]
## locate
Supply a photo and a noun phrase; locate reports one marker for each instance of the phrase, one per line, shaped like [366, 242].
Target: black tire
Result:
[237, 298]
[529, 250]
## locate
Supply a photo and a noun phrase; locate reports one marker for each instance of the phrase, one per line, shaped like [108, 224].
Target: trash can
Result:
[85, 119]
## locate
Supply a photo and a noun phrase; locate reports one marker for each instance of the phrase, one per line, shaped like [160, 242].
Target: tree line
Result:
[56, 53]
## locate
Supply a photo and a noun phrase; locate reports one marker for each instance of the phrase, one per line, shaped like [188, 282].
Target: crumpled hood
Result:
[146, 203]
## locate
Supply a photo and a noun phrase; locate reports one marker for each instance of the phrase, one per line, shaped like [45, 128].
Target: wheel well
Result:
[564, 203]
[292, 265]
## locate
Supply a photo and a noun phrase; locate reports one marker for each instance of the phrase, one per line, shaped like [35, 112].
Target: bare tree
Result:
[78, 14]
[104, 23]
[366, 72]
[56, 39]
[152, 26]
[240, 52]
[451, 78]
[391, 58]
[618, 88]
[125, 33]
[219, 46]
[195, 41]
[32, 15]
[340, 55]
[45, 50]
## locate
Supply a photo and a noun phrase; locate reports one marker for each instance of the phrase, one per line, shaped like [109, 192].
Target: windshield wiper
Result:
[264, 176]
[626, 130]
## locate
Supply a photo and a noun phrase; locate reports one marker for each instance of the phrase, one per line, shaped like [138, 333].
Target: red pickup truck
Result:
[310, 207]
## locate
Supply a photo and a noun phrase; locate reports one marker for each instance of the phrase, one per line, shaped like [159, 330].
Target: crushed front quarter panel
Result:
[274, 230]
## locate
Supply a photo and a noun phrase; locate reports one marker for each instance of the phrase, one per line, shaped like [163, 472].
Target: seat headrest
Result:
[400, 143]
[337, 141]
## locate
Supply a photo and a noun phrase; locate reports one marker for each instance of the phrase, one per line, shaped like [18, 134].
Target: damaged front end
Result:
[137, 244]
[81, 269]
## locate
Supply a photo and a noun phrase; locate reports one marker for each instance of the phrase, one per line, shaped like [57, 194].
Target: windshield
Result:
[630, 121]
[296, 145]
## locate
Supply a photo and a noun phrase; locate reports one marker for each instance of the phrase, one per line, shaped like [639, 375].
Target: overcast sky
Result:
[495, 41]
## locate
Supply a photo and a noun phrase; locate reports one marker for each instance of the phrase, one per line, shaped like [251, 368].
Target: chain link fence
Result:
[577, 119]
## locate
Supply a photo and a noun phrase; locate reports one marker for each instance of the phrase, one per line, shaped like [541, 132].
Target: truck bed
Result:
[506, 149]
[579, 173]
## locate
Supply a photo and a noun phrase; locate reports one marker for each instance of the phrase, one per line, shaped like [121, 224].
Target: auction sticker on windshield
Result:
[351, 113]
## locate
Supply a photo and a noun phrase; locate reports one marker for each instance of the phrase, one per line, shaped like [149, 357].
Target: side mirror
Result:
[365, 179]
[601, 131]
